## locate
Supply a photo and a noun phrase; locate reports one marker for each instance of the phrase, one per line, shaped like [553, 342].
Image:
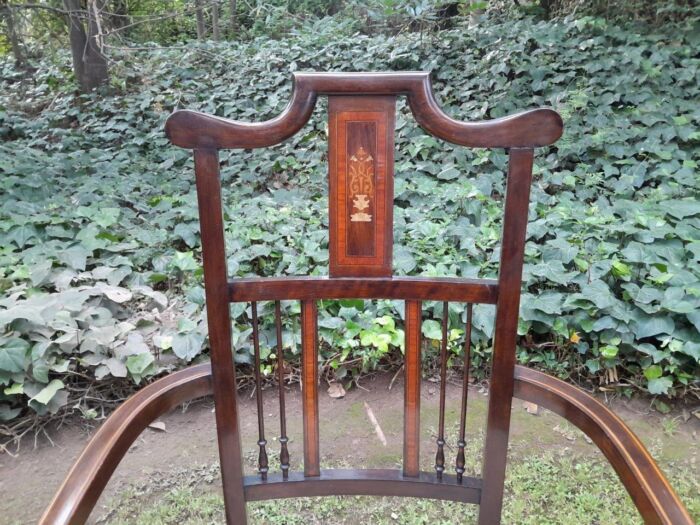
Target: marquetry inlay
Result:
[361, 158]
[361, 172]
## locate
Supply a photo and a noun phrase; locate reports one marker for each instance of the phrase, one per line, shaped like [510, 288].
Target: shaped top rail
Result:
[529, 129]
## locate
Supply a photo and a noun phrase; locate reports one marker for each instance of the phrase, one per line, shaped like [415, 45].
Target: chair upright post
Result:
[206, 166]
[517, 201]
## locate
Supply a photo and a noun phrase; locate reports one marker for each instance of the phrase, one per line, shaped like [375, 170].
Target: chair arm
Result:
[653, 496]
[89, 475]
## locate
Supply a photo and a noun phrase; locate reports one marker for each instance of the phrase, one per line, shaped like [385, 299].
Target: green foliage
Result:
[100, 259]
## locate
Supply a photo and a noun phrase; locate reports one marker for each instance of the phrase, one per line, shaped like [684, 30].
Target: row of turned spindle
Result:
[263, 466]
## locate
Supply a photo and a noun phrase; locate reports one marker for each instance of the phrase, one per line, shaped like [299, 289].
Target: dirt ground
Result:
[188, 442]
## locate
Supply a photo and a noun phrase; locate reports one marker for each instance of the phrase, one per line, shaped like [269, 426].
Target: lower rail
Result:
[364, 482]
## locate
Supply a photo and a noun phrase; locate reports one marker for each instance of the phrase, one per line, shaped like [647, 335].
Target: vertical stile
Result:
[284, 453]
[262, 456]
[206, 167]
[440, 456]
[510, 273]
[309, 378]
[411, 428]
[465, 392]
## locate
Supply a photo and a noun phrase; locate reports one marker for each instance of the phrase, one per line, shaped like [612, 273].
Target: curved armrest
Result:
[646, 484]
[87, 479]
[653, 496]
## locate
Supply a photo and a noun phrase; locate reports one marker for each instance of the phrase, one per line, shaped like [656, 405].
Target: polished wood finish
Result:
[366, 482]
[506, 327]
[440, 455]
[309, 383]
[361, 185]
[206, 167]
[644, 481]
[650, 490]
[89, 475]
[284, 452]
[461, 443]
[262, 442]
[373, 97]
[411, 395]
[191, 129]
[400, 288]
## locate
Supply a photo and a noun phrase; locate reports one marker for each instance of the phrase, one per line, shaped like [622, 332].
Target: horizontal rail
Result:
[363, 482]
[537, 127]
[400, 288]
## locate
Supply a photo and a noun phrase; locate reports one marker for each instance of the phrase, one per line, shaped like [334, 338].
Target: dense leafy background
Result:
[100, 265]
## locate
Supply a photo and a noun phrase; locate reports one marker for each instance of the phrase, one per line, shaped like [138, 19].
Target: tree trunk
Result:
[199, 13]
[12, 36]
[120, 16]
[232, 19]
[216, 33]
[89, 64]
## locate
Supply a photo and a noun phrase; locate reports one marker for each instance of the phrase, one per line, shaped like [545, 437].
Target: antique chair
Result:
[361, 114]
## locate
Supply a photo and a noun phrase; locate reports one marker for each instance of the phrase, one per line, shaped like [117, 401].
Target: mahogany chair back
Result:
[361, 117]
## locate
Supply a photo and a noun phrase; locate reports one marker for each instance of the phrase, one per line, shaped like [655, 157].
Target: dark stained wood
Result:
[412, 379]
[506, 325]
[361, 182]
[650, 490]
[461, 443]
[191, 129]
[206, 166]
[89, 475]
[262, 453]
[284, 452]
[367, 482]
[400, 288]
[440, 455]
[309, 382]
[646, 484]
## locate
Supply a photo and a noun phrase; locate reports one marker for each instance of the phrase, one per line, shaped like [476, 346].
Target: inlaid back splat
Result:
[361, 184]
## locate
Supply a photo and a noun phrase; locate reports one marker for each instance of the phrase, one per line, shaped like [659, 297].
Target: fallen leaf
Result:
[531, 408]
[336, 391]
[157, 425]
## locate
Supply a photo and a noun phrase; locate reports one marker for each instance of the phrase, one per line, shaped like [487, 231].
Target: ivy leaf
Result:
[20, 235]
[12, 354]
[115, 293]
[106, 217]
[653, 372]
[47, 393]
[432, 329]
[647, 326]
[609, 351]
[137, 364]
[184, 261]
[188, 345]
[681, 208]
[449, 173]
[75, 257]
[116, 367]
[404, 260]
[659, 385]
